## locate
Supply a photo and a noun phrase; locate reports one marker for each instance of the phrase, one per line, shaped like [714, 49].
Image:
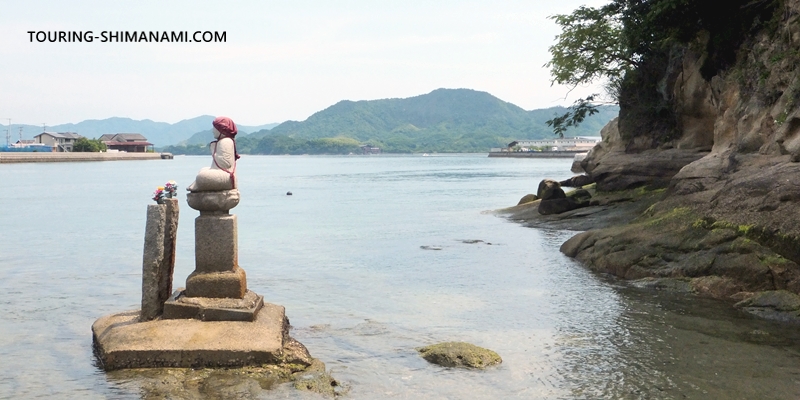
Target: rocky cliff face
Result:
[732, 171]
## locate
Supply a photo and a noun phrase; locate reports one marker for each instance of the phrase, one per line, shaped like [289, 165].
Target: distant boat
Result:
[425, 154]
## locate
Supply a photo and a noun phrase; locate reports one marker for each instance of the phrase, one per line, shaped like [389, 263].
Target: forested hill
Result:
[445, 120]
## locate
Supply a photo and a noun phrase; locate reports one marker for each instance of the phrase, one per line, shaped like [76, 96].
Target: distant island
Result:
[443, 121]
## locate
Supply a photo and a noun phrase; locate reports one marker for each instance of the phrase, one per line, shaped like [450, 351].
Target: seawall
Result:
[67, 157]
[535, 154]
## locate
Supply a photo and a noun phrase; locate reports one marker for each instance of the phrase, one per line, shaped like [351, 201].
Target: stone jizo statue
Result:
[222, 173]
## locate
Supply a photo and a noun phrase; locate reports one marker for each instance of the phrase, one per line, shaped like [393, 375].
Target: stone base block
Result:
[215, 243]
[212, 309]
[230, 284]
[121, 341]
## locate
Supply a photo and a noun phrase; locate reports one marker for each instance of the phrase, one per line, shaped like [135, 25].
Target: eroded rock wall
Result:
[733, 163]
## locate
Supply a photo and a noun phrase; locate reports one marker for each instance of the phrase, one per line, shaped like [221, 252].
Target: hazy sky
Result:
[282, 60]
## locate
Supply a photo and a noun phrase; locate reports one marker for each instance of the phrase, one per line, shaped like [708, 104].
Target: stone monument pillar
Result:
[217, 273]
[246, 330]
[217, 289]
[159, 257]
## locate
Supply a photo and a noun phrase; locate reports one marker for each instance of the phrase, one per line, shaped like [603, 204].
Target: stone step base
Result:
[122, 341]
[179, 306]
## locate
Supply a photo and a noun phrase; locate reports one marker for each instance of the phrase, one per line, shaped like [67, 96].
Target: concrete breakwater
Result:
[67, 157]
[535, 154]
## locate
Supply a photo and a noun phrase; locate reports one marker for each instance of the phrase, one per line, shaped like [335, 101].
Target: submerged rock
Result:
[779, 300]
[780, 305]
[223, 383]
[459, 354]
[676, 285]
[316, 379]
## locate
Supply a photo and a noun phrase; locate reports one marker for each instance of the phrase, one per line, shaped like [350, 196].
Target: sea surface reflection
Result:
[344, 256]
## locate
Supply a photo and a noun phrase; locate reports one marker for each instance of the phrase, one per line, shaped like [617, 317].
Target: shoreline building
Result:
[60, 142]
[573, 144]
[127, 142]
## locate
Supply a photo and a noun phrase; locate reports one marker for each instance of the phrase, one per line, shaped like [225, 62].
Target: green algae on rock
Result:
[215, 383]
[316, 379]
[459, 354]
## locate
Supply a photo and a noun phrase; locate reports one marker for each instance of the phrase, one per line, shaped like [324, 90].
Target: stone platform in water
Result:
[122, 341]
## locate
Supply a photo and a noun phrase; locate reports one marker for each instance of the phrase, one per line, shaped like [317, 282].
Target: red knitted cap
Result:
[225, 126]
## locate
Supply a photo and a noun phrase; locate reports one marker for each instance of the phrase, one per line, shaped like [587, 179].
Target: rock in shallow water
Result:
[779, 305]
[459, 354]
[528, 198]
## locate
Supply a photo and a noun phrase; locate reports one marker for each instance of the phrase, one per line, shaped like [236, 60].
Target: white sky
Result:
[282, 60]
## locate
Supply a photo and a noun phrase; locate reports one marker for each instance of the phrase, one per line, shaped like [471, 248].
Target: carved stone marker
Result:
[217, 289]
[158, 262]
[246, 330]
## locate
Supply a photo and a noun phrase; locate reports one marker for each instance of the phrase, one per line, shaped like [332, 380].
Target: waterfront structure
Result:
[573, 144]
[370, 149]
[59, 142]
[127, 142]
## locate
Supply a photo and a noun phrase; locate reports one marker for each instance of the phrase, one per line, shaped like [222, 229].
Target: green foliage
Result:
[590, 47]
[188, 150]
[84, 145]
[635, 46]
[279, 144]
[578, 112]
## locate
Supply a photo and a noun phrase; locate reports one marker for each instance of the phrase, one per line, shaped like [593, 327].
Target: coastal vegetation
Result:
[627, 45]
[84, 145]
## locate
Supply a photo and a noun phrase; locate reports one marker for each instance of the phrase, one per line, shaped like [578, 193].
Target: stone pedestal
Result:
[217, 273]
[217, 289]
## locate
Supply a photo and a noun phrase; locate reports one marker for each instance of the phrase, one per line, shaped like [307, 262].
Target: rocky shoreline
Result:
[643, 236]
[697, 190]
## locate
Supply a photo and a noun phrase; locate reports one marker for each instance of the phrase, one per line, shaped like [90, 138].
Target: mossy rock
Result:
[780, 300]
[527, 199]
[316, 379]
[459, 354]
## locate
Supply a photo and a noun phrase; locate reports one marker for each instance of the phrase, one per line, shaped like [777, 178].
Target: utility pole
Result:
[8, 133]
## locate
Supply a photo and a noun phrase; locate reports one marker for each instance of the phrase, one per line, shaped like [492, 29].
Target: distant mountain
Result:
[445, 120]
[158, 133]
[204, 137]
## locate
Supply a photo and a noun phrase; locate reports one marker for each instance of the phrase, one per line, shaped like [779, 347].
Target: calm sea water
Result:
[344, 256]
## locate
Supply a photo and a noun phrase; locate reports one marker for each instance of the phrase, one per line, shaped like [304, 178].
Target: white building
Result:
[578, 143]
